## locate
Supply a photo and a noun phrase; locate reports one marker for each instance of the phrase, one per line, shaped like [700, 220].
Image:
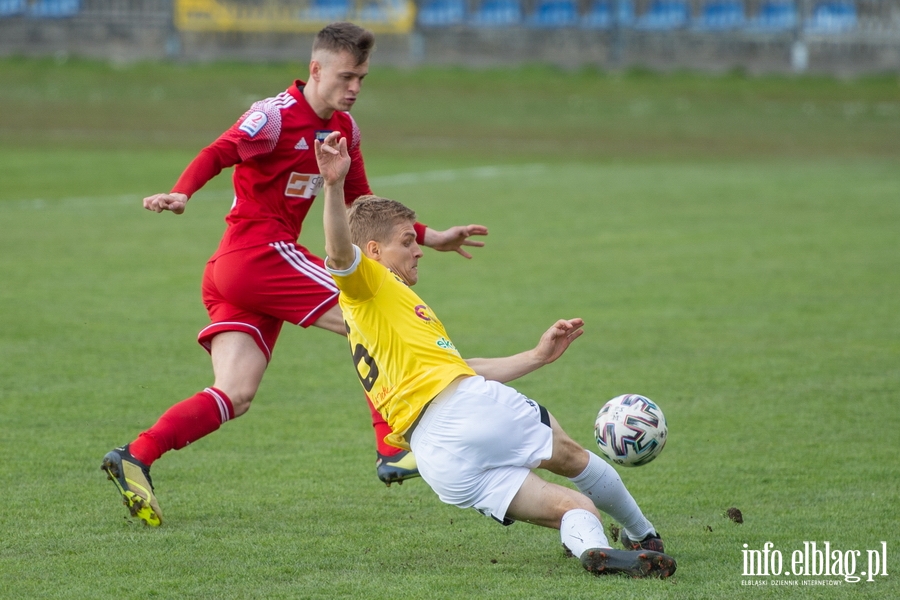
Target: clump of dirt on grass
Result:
[614, 533]
[735, 515]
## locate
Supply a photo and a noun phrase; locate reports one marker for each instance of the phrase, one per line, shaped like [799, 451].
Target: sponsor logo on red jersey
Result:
[304, 185]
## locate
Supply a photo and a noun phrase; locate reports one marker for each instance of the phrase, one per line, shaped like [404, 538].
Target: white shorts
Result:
[476, 444]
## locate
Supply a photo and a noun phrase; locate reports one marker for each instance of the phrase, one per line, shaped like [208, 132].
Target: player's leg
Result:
[600, 482]
[465, 461]
[391, 464]
[543, 503]
[240, 344]
[238, 365]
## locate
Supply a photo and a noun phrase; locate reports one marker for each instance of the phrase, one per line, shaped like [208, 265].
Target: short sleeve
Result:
[361, 280]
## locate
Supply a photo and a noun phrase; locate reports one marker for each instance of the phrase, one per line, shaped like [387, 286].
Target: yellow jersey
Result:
[401, 352]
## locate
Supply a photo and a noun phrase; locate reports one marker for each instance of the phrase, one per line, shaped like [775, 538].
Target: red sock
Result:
[382, 429]
[186, 422]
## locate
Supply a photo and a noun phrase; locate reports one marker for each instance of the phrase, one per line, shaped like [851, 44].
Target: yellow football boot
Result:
[132, 479]
[396, 468]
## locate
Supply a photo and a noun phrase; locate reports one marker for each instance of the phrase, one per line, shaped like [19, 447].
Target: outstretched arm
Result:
[334, 162]
[453, 239]
[551, 346]
[221, 154]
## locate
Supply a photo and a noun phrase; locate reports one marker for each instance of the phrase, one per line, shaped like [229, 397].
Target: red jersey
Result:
[276, 177]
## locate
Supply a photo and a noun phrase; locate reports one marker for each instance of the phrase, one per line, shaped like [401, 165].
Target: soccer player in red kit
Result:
[259, 277]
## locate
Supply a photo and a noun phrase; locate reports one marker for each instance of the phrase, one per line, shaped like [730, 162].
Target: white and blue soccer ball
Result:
[630, 430]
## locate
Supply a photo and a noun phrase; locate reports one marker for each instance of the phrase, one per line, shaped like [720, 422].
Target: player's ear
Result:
[373, 250]
[315, 69]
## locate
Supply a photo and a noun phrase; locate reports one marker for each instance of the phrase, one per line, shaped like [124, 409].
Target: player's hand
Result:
[333, 158]
[556, 340]
[174, 202]
[453, 239]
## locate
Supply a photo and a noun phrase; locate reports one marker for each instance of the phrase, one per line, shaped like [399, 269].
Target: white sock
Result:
[600, 482]
[581, 530]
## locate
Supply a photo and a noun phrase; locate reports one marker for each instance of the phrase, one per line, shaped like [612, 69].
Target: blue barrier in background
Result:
[774, 16]
[497, 13]
[554, 13]
[832, 17]
[51, 9]
[54, 8]
[828, 17]
[720, 15]
[380, 12]
[442, 13]
[664, 15]
[9, 8]
[604, 14]
[327, 10]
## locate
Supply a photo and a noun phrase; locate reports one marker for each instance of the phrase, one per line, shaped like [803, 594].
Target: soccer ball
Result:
[630, 430]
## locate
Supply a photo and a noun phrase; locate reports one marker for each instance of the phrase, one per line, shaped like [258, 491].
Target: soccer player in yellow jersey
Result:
[476, 440]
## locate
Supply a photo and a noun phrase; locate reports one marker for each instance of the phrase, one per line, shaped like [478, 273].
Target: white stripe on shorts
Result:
[256, 331]
[316, 309]
[303, 265]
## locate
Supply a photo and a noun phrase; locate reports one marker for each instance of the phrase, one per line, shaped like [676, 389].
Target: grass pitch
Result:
[730, 242]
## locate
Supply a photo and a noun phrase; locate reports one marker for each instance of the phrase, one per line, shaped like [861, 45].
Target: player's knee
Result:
[574, 500]
[583, 502]
[569, 458]
[241, 400]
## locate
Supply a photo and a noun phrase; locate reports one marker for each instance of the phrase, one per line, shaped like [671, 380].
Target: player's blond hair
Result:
[345, 37]
[374, 218]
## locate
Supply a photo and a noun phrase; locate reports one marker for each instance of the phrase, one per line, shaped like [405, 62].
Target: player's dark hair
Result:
[346, 37]
[374, 218]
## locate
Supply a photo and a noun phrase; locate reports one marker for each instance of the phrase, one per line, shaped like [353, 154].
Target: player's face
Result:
[402, 253]
[338, 79]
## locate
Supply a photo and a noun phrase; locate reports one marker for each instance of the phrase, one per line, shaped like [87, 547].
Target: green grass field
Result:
[731, 242]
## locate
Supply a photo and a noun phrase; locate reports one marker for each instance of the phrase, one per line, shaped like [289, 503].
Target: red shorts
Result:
[255, 290]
